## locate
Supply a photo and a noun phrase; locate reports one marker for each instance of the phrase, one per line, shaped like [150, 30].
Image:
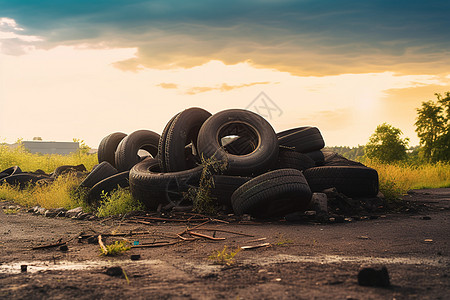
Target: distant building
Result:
[43, 147]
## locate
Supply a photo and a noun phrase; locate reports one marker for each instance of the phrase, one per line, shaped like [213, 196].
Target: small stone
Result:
[74, 212]
[61, 214]
[428, 240]
[278, 279]
[135, 257]
[114, 271]
[50, 213]
[23, 268]
[319, 202]
[310, 213]
[41, 210]
[246, 217]
[82, 216]
[34, 209]
[374, 277]
[262, 271]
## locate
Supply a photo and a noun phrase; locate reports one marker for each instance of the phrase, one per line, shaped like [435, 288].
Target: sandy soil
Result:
[303, 261]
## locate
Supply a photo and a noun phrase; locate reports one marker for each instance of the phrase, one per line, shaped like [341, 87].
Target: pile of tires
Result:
[266, 174]
[16, 177]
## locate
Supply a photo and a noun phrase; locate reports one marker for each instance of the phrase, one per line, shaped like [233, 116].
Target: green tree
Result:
[386, 145]
[433, 128]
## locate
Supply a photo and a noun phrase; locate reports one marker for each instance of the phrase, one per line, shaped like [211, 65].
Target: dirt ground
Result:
[303, 260]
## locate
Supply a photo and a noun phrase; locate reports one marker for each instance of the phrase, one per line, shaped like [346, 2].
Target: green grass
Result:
[119, 201]
[117, 248]
[54, 195]
[224, 256]
[201, 196]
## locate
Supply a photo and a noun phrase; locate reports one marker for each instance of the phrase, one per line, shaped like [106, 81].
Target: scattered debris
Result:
[255, 246]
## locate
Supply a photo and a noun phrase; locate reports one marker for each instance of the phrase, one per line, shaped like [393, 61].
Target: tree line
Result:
[387, 145]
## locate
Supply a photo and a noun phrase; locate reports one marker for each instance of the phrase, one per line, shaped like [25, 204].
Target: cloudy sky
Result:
[83, 69]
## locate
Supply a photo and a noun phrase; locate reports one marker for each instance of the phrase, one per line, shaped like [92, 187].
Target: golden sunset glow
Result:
[94, 78]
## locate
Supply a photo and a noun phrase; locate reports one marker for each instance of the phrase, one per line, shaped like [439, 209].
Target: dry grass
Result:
[30, 162]
[55, 195]
[399, 178]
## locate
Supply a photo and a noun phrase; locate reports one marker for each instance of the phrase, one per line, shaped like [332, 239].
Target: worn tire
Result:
[240, 146]
[183, 130]
[127, 150]
[108, 146]
[224, 187]
[162, 142]
[22, 180]
[67, 169]
[273, 194]
[10, 171]
[352, 181]
[289, 131]
[99, 172]
[290, 159]
[108, 185]
[152, 188]
[241, 123]
[317, 156]
[334, 159]
[304, 139]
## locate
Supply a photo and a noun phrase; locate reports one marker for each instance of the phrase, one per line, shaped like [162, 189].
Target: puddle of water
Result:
[330, 259]
[204, 269]
[38, 266]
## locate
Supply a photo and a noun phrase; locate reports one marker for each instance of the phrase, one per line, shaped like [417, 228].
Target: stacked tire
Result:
[266, 174]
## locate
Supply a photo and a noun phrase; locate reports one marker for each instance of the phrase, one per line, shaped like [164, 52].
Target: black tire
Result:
[352, 181]
[183, 130]
[334, 159]
[317, 156]
[305, 139]
[224, 187]
[162, 142]
[152, 188]
[239, 122]
[108, 146]
[22, 180]
[290, 159]
[289, 131]
[273, 194]
[240, 146]
[68, 169]
[10, 171]
[108, 185]
[127, 150]
[99, 172]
